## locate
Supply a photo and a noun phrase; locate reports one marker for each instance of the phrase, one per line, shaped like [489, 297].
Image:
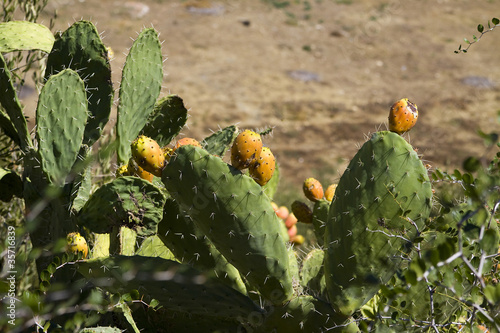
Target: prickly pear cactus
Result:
[126, 201]
[235, 214]
[189, 244]
[140, 86]
[167, 119]
[61, 117]
[24, 35]
[176, 286]
[382, 201]
[80, 48]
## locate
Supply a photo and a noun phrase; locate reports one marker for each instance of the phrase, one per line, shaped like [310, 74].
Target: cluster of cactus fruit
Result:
[223, 258]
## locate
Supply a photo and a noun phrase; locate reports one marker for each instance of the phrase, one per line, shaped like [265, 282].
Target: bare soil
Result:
[323, 73]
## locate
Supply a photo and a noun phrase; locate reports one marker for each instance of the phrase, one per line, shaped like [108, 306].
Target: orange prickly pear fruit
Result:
[302, 212]
[282, 212]
[262, 170]
[187, 141]
[291, 220]
[168, 152]
[292, 231]
[313, 189]
[148, 155]
[402, 116]
[135, 170]
[330, 192]
[297, 239]
[77, 244]
[275, 206]
[246, 149]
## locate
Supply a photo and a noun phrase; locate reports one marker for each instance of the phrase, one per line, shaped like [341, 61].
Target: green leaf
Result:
[495, 21]
[489, 243]
[466, 40]
[492, 293]
[480, 28]
[472, 164]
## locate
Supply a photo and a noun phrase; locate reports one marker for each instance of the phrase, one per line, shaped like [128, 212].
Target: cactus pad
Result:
[235, 214]
[381, 200]
[126, 201]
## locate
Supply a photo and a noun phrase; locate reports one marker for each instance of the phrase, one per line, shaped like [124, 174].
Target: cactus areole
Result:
[382, 200]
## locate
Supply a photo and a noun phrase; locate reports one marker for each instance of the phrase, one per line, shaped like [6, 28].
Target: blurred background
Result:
[322, 73]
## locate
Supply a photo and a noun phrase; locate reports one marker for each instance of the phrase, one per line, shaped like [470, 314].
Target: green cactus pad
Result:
[218, 143]
[176, 286]
[25, 36]
[153, 246]
[235, 214]
[306, 314]
[167, 119]
[126, 201]
[140, 86]
[13, 108]
[320, 219]
[81, 49]
[312, 274]
[369, 228]
[190, 246]
[61, 116]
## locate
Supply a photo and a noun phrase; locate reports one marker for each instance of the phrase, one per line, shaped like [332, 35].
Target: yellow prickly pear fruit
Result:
[302, 212]
[122, 171]
[246, 149]
[77, 244]
[148, 155]
[402, 116]
[262, 170]
[135, 170]
[313, 190]
[330, 192]
[297, 239]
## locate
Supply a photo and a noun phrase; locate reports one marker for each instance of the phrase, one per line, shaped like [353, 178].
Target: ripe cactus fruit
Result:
[290, 220]
[297, 239]
[148, 155]
[122, 171]
[292, 231]
[246, 149]
[77, 244]
[263, 169]
[302, 212]
[282, 212]
[330, 192]
[313, 190]
[187, 141]
[134, 169]
[402, 116]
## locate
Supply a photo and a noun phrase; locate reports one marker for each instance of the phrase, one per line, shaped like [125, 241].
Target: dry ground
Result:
[323, 73]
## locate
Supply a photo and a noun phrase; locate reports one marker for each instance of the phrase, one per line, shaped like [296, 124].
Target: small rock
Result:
[212, 10]
[304, 76]
[136, 9]
[479, 82]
